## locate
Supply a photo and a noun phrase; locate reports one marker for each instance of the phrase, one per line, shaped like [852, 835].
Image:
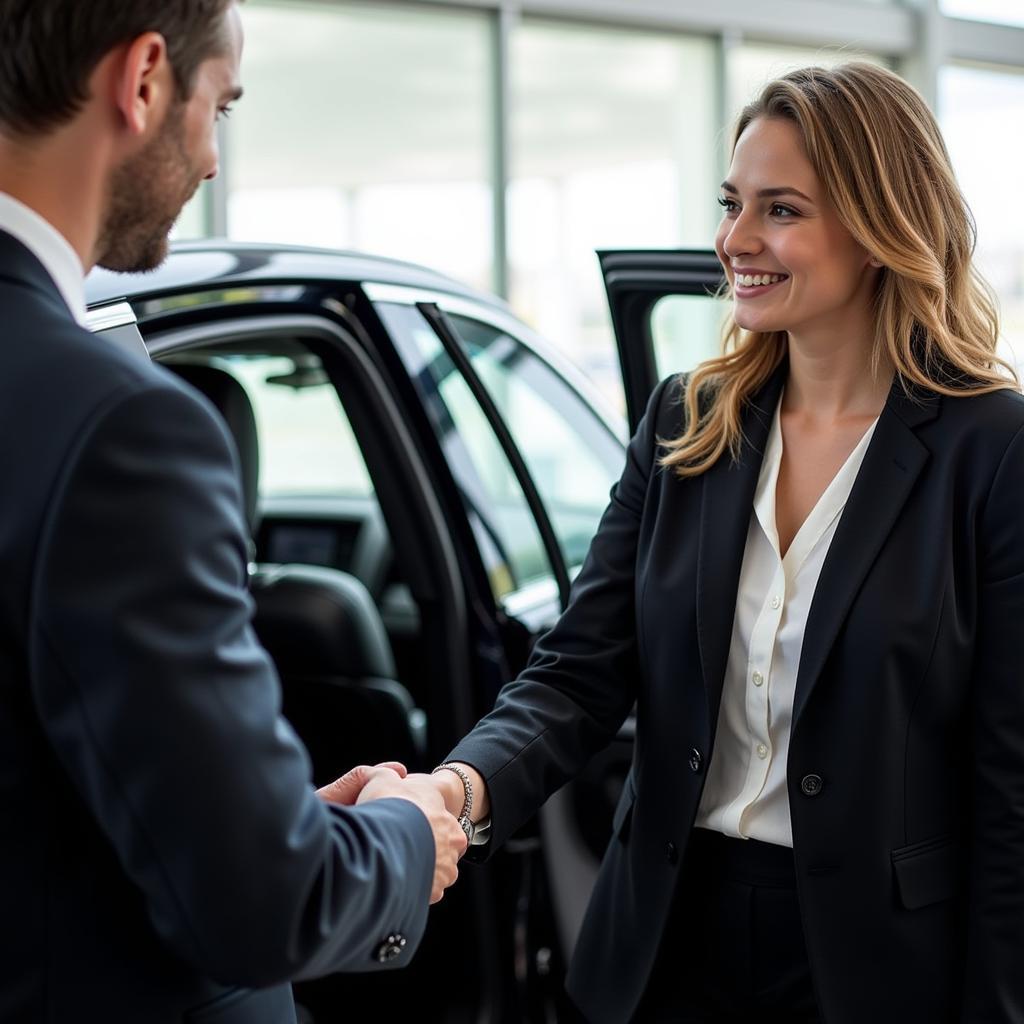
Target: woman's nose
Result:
[741, 238]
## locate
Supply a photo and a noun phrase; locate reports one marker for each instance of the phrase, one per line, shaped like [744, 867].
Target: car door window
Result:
[572, 457]
[507, 535]
[686, 330]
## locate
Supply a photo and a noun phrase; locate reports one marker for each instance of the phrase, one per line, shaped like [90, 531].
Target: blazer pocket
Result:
[623, 816]
[926, 872]
[246, 1006]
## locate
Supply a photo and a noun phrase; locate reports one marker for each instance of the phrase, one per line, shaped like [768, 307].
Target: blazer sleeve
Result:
[164, 711]
[994, 989]
[580, 682]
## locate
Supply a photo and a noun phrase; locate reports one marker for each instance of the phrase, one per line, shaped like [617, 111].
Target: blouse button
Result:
[757, 678]
[762, 751]
[776, 601]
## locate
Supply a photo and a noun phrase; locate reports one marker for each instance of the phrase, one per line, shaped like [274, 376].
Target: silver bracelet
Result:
[467, 790]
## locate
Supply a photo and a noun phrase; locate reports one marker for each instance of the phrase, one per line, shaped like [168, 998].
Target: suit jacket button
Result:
[671, 853]
[391, 947]
[696, 760]
[811, 785]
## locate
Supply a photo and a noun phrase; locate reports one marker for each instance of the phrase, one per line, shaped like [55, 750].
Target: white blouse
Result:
[745, 795]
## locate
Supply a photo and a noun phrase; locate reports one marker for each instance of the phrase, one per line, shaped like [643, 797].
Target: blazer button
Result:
[696, 760]
[671, 853]
[811, 785]
[391, 947]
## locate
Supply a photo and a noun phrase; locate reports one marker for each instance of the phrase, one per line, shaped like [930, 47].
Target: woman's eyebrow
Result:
[769, 193]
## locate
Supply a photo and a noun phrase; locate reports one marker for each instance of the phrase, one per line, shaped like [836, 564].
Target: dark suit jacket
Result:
[909, 711]
[161, 847]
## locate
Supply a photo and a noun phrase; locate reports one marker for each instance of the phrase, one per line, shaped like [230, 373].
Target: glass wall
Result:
[192, 222]
[977, 106]
[612, 146]
[367, 127]
[750, 66]
[375, 126]
[1005, 12]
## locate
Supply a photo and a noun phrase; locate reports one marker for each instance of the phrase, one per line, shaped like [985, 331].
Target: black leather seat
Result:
[322, 629]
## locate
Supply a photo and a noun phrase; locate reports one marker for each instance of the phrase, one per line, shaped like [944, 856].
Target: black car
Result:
[423, 476]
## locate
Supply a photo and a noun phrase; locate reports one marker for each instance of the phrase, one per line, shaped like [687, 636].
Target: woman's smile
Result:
[751, 283]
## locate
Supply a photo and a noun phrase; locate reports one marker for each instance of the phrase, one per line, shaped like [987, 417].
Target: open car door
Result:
[664, 315]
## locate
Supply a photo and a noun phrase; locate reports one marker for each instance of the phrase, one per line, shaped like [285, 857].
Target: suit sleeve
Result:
[580, 682]
[994, 990]
[164, 711]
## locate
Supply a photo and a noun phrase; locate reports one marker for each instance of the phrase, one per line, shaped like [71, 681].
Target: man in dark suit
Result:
[163, 855]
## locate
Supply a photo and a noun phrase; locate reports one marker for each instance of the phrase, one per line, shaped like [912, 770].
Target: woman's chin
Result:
[749, 322]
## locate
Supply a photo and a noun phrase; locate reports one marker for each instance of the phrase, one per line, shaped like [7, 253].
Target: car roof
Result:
[213, 262]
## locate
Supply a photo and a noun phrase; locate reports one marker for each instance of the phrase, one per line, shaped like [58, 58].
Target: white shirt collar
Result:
[50, 247]
[829, 505]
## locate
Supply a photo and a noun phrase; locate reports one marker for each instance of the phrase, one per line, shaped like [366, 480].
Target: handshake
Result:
[440, 797]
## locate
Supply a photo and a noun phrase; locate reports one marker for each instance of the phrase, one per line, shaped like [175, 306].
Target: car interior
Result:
[320, 623]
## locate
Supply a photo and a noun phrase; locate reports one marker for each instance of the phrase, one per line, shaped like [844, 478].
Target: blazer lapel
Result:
[726, 503]
[892, 463]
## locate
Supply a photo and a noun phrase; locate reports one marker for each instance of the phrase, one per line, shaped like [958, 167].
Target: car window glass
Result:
[505, 529]
[572, 457]
[686, 330]
[306, 443]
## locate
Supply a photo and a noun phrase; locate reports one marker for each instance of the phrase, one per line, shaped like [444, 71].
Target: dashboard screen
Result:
[312, 545]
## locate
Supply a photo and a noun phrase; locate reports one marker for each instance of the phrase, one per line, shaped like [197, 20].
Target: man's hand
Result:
[391, 780]
[346, 790]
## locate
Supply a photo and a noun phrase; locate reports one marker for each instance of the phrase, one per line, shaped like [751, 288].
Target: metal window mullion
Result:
[501, 27]
[215, 204]
[984, 43]
[921, 65]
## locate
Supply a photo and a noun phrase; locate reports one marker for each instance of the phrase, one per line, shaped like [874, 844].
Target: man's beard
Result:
[145, 197]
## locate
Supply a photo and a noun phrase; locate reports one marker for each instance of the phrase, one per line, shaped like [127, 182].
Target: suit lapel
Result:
[19, 264]
[892, 463]
[726, 503]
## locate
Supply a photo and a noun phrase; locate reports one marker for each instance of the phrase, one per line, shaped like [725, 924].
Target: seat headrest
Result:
[232, 401]
[319, 621]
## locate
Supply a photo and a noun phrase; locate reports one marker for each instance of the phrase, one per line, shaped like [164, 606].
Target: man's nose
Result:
[213, 167]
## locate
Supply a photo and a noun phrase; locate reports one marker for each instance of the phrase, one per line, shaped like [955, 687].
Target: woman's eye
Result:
[729, 205]
[224, 112]
[778, 210]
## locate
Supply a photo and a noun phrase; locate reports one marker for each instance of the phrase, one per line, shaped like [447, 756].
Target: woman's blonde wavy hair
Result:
[878, 151]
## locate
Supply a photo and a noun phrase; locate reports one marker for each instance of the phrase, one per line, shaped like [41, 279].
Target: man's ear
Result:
[144, 83]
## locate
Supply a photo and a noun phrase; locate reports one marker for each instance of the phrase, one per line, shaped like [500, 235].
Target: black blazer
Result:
[161, 849]
[906, 762]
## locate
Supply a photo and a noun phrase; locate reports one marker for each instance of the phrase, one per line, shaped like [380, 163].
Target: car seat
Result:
[321, 628]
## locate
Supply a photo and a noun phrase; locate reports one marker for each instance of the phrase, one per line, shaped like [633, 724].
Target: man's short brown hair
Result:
[50, 48]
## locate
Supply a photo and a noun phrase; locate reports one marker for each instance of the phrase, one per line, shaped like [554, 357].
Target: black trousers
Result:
[734, 949]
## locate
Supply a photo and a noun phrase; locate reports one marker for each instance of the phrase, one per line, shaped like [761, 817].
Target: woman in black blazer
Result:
[810, 583]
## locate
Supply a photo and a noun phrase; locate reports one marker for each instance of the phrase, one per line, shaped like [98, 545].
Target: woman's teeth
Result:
[749, 280]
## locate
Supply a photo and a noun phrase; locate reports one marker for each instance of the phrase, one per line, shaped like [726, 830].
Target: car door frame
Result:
[635, 281]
